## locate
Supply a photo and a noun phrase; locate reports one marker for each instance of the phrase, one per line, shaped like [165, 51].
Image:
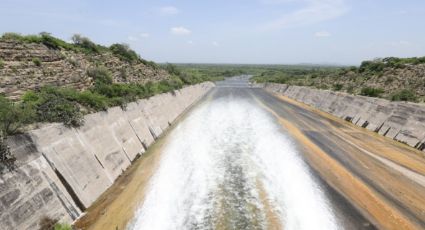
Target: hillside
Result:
[30, 62]
[45, 79]
[391, 78]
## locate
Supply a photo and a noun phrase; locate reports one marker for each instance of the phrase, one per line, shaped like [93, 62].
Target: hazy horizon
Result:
[324, 32]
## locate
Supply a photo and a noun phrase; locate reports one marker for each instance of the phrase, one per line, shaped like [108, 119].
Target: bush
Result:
[149, 63]
[11, 36]
[47, 223]
[61, 226]
[55, 105]
[404, 95]
[36, 61]
[124, 52]
[371, 92]
[337, 87]
[54, 43]
[7, 160]
[13, 115]
[85, 44]
[93, 100]
[172, 69]
[100, 75]
[54, 108]
[372, 66]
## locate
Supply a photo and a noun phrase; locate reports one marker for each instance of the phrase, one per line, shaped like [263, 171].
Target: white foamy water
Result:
[212, 168]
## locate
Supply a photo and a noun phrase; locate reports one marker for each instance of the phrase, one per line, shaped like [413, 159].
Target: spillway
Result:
[230, 165]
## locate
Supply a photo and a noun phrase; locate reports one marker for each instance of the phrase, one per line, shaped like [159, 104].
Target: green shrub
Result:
[57, 109]
[73, 62]
[36, 61]
[55, 105]
[100, 75]
[372, 66]
[371, 92]
[85, 43]
[404, 95]
[14, 115]
[149, 63]
[93, 100]
[54, 43]
[172, 69]
[124, 52]
[337, 87]
[11, 36]
[61, 226]
[47, 223]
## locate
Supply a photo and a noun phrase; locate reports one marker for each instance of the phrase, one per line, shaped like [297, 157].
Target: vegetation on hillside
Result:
[398, 79]
[80, 43]
[67, 105]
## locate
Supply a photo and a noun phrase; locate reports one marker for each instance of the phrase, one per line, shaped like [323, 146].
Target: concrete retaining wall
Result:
[62, 171]
[401, 121]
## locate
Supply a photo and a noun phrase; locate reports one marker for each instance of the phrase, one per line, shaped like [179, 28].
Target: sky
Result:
[342, 32]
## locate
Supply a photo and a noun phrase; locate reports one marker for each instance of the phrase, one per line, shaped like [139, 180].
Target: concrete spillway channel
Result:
[246, 159]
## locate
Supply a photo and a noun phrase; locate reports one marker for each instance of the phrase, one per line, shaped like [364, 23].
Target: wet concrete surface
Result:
[395, 190]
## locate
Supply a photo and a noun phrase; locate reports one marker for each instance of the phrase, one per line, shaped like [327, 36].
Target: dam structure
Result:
[229, 155]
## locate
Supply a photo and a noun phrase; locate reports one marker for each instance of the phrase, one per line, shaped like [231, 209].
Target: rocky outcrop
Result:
[61, 171]
[401, 121]
[29, 66]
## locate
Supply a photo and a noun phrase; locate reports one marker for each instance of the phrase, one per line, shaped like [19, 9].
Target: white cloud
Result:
[190, 42]
[145, 35]
[132, 38]
[216, 44]
[169, 10]
[314, 11]
[180, 30]
[399, 43]
[321, 34]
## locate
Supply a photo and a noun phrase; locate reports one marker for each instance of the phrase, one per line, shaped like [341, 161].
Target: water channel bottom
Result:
[229, 165]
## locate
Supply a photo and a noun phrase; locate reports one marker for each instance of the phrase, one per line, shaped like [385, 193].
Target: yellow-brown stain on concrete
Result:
[360, 195]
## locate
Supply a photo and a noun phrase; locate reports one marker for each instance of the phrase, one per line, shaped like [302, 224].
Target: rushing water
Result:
[229, 165]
